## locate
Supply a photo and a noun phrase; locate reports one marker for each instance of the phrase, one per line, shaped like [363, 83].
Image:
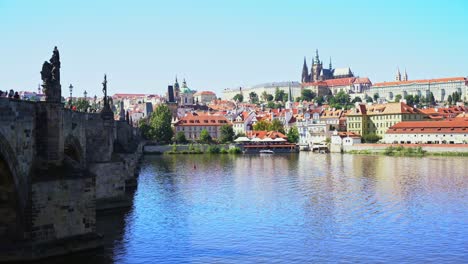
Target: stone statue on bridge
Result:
[106, 112]
[50, 75]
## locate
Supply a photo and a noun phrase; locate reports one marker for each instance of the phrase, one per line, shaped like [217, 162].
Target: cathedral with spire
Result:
[319, 73]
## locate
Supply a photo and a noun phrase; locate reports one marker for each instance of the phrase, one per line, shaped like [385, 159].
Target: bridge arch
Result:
[11, 217]
[73, 150]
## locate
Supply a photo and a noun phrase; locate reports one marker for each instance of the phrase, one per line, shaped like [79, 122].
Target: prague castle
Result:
[318, 73]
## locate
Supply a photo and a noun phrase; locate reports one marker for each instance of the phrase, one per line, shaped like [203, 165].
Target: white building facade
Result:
[440, 88]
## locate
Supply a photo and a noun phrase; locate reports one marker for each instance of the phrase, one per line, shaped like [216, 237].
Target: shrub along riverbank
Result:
[401, 151]
[210, 149]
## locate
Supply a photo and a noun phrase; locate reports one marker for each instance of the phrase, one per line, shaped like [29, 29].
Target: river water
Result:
[292, 208]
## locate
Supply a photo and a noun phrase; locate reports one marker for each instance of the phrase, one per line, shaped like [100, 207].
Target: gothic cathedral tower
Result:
[305, 72]
[316, 68]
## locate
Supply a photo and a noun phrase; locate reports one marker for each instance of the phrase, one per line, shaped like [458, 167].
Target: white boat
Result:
[266, 151]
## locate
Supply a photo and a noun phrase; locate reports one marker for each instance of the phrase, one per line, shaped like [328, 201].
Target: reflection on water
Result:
[294, 208]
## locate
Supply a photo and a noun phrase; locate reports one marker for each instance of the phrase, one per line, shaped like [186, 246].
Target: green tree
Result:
[319, 100]
[456, 97]
[376, 96]
[160, 123]
[417, 99]
[270, 97]
[205, 136]
[241, 134]
[238, 97]
[342, 98]
[253, 97]
[261, 125]
[270, 104]
[264, 125]
[398, 98]
[308, 95]
[276, 125]
[369, 99]
[227, 134]
[180, 138]
[144, 128]
[356, 99]
[431, 99]
[280, 95]
[449, 99]
[264, 96]
[371, 138]
[409, 99]
[293, 135]
[82, 105]
[423, 100]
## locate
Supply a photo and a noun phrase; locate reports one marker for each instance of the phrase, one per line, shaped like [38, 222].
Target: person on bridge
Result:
[11, 94]
[16, 96]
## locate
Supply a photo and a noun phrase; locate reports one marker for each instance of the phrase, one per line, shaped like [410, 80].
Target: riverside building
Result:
[454, 131]
[377, 118]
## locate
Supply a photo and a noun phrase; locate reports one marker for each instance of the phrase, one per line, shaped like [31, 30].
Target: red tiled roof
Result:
[202, 120]
[452, 79]
[264, 134]
[456, 125]
[340, 82]
[348, 134]
[388, 108]
[445, 112]
[204, 93]
[331, 113]
[362, 80]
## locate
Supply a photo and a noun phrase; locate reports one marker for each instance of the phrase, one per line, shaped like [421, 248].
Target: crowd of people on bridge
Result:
[12, 94]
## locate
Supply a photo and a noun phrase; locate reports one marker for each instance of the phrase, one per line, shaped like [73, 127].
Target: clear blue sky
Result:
[142, 45]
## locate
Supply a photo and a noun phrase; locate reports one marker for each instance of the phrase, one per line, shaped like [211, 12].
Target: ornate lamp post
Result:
[71, 90]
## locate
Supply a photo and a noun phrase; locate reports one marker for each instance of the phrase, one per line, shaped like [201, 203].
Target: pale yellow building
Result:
[367, 119]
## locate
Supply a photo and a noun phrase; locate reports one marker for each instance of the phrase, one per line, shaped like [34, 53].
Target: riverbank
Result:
[191, 149]
[413, 150]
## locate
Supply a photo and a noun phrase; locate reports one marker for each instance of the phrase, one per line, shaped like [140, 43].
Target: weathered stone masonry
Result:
[55, 164]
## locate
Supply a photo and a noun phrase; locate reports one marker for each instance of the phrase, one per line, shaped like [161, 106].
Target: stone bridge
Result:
[56, 165]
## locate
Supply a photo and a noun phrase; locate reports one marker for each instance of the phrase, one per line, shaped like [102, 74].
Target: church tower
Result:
[305, 72]
[405, 76]
[176, 90]
[316, 68]
[398, 76]
[289, 103]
